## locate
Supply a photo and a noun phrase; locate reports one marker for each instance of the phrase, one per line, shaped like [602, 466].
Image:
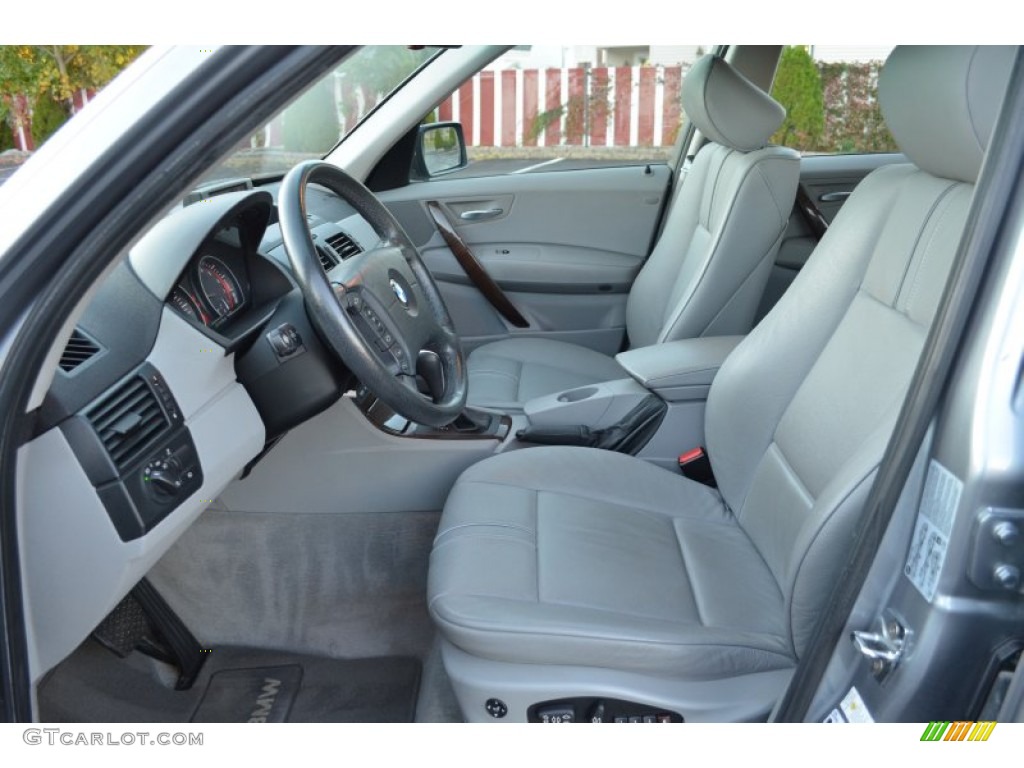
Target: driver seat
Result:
[562, 572]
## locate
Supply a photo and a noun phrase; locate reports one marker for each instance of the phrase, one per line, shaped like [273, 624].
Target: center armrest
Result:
[679, 370]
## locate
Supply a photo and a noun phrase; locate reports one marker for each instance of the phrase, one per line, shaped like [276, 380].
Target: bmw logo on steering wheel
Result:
[399, 291]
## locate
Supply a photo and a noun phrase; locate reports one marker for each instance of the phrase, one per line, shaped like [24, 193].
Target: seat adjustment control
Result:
[560, 713]
[496, 708]
[589, 709]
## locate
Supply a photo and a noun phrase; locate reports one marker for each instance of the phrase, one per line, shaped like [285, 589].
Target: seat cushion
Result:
[589, 558]
[507, 373]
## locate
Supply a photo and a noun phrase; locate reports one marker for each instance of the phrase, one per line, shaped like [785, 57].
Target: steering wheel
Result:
[380, 311]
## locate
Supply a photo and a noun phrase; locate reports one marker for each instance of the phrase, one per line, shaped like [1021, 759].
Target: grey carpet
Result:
[235, 685]
[345, 586]
[437, 702]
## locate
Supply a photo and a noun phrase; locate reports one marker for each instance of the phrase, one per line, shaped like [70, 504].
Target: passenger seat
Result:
[708, 269]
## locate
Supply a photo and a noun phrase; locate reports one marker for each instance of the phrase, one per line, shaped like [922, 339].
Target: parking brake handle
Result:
[628, 435]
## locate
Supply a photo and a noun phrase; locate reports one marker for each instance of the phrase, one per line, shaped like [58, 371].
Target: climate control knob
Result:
[163, 478]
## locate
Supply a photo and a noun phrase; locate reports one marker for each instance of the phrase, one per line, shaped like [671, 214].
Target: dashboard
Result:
[193, 357]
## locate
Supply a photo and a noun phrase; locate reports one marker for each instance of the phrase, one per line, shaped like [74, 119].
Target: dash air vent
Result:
[344, 245]
[327, 260]
[128, 420]
[80, 348]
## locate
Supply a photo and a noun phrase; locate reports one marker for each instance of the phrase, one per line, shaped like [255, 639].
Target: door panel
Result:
[549, 268]
[826, 177]
[827, 180]
[564, 246]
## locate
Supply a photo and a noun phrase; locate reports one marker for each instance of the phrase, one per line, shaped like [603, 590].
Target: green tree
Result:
[49, 76]
[18, 70]
[59, 71]
[798, 88]
[47, 116]
[17, 77]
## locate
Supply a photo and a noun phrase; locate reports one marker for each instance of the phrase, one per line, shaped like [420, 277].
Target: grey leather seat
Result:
[561, 572]
[706, 274]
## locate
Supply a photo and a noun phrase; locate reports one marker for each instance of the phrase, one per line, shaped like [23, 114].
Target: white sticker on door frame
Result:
[930, 541]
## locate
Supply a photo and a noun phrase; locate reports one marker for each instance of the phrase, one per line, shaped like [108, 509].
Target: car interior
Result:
[727, 220]
[581, 445]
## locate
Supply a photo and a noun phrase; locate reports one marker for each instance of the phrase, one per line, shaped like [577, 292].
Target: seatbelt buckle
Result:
[695, 465]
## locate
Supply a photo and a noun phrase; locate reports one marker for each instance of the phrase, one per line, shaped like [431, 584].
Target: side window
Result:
[830, 93]
[550, 108]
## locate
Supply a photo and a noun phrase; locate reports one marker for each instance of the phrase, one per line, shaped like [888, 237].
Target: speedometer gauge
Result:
[185, 303]
[219, 286]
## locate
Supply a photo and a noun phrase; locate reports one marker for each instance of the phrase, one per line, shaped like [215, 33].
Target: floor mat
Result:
[235, 685]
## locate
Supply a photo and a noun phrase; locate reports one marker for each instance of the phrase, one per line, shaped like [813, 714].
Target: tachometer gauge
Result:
[185, 303]
[219, 286]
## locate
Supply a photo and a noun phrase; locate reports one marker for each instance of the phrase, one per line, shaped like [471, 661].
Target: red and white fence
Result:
[578, 106]
[575, 106]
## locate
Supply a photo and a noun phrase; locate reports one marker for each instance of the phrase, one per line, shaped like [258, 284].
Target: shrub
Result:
[797, 87]
[47, 116]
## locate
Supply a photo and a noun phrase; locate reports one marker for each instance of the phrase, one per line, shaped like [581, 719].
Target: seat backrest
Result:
[801, 412]
[709, 267]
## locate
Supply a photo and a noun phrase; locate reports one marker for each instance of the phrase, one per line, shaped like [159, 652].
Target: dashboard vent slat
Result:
[327, 261]
[128, 420]
[79, 349]
[344, 246]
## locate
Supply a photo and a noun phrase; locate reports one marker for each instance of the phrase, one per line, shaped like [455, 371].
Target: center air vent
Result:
[80, 348]
[128, 420]
[344, 245]
[327, 260]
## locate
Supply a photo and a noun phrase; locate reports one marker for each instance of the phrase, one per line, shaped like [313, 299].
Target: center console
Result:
[472, 423]
[675, 375]
[655, 413]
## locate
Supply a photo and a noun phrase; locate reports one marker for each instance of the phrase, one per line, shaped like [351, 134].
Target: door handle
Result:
[486, 213]
[833, 197]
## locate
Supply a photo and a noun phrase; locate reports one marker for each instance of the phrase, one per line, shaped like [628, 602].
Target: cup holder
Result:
[575, 395]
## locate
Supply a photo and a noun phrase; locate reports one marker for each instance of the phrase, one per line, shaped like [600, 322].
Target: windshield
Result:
[325, 113]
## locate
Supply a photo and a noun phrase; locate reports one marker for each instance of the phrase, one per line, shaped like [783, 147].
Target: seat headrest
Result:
[728, 108]
[941, 103]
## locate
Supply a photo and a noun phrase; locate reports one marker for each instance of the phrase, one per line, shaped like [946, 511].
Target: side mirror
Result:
[440, 149]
